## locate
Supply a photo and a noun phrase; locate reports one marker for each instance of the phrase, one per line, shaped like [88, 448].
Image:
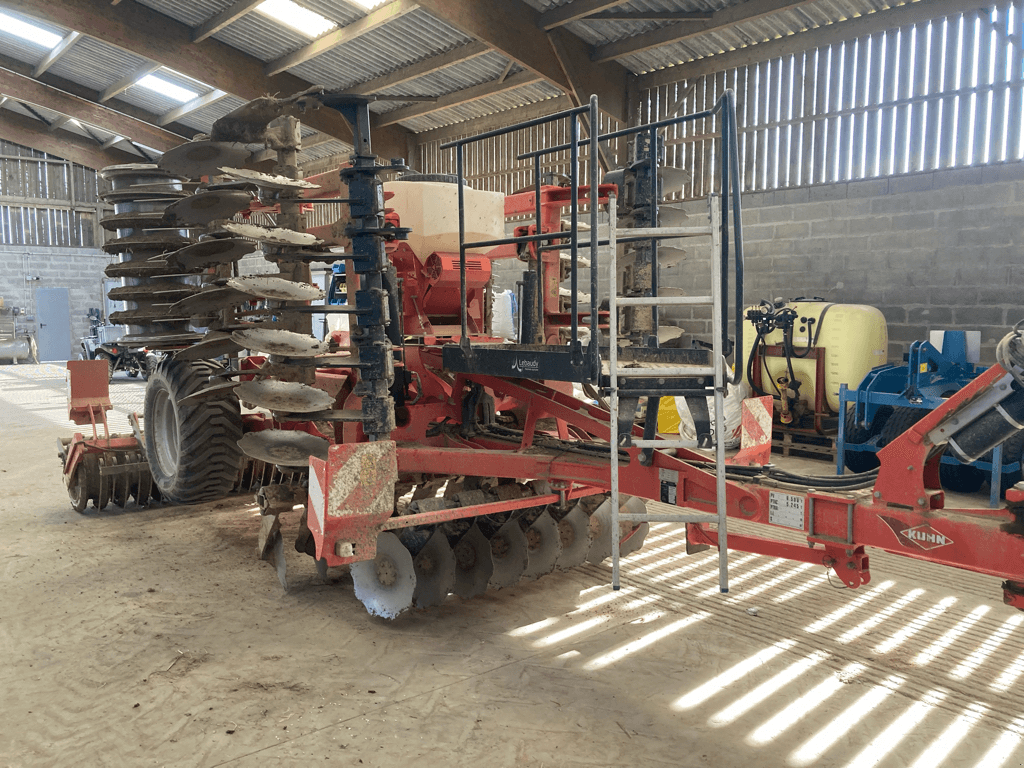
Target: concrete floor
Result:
[152, 637]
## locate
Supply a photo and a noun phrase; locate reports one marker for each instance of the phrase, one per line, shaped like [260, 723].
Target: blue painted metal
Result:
[926, 378]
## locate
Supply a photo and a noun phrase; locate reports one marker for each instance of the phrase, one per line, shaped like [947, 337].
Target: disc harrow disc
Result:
[510, 555]
[213, 345]
[286, 447]
[211, 252]
[157, 241]
[266, 181]
[543, 546]
[385, 585]
[270, 236]
[435, 571]
[202, 158]
[204, 207]
[209, 302]
[285, 396]
[473, 565]
[119, 491]
[276, 288]
[278, 342]
[575, 537]
[600, 527]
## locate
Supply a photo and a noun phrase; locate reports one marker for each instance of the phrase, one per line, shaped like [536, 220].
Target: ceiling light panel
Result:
[33, 33]
[296, 17]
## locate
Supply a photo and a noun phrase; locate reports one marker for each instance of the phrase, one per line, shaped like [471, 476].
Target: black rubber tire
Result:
[110, 363]
[78, 491]
[192, 449]
[961, 478]
[1013, 450]
[857, 461]
[899, 422]
[863, 461]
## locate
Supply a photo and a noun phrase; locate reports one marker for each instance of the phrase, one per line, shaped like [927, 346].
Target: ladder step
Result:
[664, 232]
[660, 301]
[669, 518]
[662, 444]
[654, 373]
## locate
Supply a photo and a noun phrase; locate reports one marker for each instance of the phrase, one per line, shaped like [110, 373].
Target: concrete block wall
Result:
[80, 270]
[934, 251]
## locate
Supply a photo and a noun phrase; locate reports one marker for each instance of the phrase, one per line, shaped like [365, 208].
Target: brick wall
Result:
[934, 251]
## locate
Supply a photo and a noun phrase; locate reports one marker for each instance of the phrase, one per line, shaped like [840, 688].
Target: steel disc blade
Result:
[277, 342]
[286, 447]
[510, 555]
[672, 217]
[673, 179]
[473, 566]
[270, 236]
[575, 538]
[600, 531]
[209, 302]
[670, 256]
[266, 181]
[277, 288]
[633, 535]
[287, 396]
[635, 540]
[543, 546]
[213, 345]
[435, 571]
[204, 207]
[202, 158]
[385, 585]
[211, 252]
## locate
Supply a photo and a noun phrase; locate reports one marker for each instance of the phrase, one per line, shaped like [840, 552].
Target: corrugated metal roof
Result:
[528, 94]
[262, 37]
[96, 65]
[191, 12]
[406, 40]
[816, 14]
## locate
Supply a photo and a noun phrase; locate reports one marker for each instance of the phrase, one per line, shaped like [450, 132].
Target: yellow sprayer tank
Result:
[854, 337]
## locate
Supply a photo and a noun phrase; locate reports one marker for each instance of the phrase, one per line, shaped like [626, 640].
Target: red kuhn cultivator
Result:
[434, 457]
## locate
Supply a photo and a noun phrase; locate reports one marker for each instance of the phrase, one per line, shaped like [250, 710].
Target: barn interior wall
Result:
[23, 269]
[933, 251]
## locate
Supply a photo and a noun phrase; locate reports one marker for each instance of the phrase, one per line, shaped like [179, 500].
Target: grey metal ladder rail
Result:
[717, 370]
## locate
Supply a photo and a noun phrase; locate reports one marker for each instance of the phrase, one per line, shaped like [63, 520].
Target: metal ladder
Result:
[717, 370]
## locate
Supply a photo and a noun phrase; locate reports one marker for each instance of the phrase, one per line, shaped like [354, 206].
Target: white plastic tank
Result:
[854, 336]
[431, 210]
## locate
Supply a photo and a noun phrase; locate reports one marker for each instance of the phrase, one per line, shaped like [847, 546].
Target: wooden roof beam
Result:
[218, 21]
[192, 106]
[58, 52]
[25, 131]
[22, 88]
[147, 33]
[512, 27]
[581, 9]
[676, 33]
[458, 98]
[128, 81]
[329, 40]
[421, 68]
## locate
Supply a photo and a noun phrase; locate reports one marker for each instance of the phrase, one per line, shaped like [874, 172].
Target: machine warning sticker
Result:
[786, 509]
[916, 536]
[669, 480]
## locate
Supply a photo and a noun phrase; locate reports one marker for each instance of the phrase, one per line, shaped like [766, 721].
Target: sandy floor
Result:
[152, 637]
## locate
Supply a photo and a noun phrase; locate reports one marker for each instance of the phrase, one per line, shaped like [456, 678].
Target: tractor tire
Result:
[863, 461]
[192, 449]
[899, 422]
[110, 364]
